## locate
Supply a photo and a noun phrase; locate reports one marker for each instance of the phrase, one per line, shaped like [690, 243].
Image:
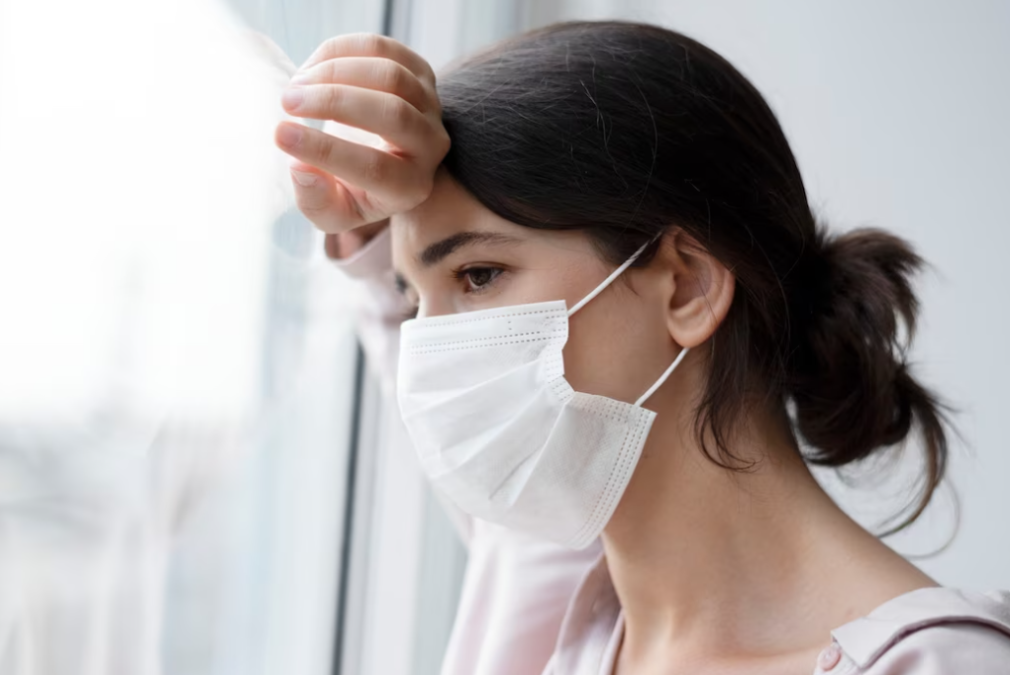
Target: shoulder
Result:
[932, 631]
[947, 649]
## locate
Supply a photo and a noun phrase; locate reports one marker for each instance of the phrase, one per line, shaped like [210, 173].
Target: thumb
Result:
[325, 201]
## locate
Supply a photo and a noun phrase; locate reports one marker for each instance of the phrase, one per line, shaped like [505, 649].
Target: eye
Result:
[478, 279]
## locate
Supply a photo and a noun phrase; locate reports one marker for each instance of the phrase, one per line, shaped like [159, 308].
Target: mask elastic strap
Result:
[662, 378]
[599, 289]
[613, 275]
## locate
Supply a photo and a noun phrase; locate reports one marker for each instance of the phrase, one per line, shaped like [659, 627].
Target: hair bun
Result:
[849, 376]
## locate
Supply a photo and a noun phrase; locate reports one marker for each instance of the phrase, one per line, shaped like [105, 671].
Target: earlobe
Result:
[703, 290]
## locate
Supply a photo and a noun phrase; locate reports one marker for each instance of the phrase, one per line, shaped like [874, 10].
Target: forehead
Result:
[433, 230]
[449, 210]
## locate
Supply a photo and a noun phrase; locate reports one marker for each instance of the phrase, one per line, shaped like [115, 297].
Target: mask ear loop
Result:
[613, 275]
[663, 377]
[599, 289]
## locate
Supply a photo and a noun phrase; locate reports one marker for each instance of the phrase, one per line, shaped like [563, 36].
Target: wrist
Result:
[345, 244]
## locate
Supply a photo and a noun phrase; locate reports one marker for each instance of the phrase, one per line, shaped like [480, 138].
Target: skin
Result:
[717, 572]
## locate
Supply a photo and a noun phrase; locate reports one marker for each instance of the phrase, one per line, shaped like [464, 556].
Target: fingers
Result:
[381, 113]
[378, 85]
[363, 166]
[391, 182]
[320, 199]
[368, 44]
[371, 73]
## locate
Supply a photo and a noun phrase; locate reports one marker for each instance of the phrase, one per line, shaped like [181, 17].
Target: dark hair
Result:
[623, 130]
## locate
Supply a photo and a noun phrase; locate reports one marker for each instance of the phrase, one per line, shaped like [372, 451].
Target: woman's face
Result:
[452, 255]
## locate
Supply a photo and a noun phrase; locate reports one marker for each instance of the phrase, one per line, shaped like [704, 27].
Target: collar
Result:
[865, 639]
[595, 611]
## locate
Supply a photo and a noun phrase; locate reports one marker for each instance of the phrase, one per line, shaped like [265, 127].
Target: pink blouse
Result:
[529, 606]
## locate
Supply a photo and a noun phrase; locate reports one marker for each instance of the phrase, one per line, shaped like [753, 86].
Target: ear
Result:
[700, 287]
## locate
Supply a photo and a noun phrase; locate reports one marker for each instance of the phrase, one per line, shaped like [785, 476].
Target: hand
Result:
[378, 85]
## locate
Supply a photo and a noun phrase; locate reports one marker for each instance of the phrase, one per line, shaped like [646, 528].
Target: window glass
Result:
[178, 358]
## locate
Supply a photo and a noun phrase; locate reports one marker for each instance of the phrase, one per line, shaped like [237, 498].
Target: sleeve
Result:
[948, 649]
[379, 308]
[515, 596]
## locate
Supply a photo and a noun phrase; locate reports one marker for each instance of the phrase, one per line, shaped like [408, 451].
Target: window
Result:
[179, 393]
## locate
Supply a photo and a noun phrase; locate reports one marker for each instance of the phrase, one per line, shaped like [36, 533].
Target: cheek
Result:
[618, 345]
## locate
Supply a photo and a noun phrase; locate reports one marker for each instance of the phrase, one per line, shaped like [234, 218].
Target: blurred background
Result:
[198, 473]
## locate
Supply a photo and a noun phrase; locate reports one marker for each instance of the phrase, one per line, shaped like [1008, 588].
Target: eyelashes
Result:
[472, 281]
[478, 279]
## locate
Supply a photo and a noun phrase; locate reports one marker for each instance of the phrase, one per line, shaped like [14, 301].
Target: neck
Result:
[716, 564]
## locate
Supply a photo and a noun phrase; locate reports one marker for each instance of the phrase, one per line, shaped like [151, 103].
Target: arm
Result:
[379, 308]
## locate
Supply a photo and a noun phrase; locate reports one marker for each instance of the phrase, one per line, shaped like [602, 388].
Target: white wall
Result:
[898, 114]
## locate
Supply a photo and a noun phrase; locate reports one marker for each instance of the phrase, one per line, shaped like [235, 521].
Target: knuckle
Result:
[328, 71]
[396, 111]
[371, 43]
[309, 201]
[311, 209]
[425, 73]
[418, 189]
[333, 98]
[333, 45]
[315, 214]
[432, 103]
[436, 144]
[393, 77]
[326, 152]
[442, 141]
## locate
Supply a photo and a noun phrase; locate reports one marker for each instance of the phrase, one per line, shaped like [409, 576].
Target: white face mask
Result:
[500, 431]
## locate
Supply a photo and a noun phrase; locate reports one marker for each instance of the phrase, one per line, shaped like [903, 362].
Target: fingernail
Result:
[293, 97]
[304, 179]
[301, 78]
[289, 135]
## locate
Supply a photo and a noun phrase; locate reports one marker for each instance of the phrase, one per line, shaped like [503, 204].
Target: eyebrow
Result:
[438, 251]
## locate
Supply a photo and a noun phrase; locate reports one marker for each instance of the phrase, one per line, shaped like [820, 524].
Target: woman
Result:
[632, 338]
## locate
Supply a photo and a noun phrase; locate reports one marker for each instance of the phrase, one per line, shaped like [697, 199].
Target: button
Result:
[829, 657]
